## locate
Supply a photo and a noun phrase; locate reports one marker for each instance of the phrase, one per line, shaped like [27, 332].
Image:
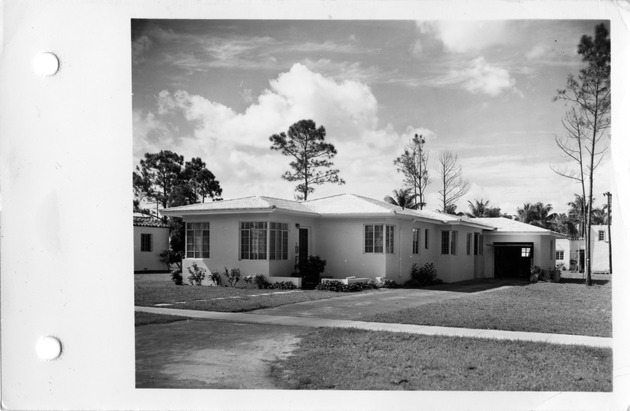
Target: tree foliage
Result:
[311, 166]
[587, 120]
[402, 198]
[413, 164]
[452, 184]
[537, 214]
[481, 208]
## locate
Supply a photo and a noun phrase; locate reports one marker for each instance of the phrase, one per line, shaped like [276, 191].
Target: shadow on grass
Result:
[582, 281]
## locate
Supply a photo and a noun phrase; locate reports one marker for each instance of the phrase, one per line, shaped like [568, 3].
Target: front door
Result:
[303, 245]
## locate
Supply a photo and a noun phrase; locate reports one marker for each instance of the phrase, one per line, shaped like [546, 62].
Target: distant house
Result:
[358, 236]
[150, 238]
[575, 250]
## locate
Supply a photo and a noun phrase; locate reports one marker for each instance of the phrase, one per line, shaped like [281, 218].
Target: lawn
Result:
[159, 289]
[348, 359]
[563, 308]
[142, 318]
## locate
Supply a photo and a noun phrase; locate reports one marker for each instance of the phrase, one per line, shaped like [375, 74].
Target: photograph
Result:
[372, 205]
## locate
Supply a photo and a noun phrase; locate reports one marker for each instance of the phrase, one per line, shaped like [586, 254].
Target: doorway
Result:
[513, 260]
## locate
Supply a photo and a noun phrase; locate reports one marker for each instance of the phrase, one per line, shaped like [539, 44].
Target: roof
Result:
[347, 205]
[147, 220]
[505, 225]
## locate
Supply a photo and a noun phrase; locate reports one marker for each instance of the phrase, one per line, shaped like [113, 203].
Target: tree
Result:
[402, 198]
[201, 180]
[157, 175]
[305, 143]
[537, 214]
[413, 163]
[587, 120]
[481, 209]
[453, 186]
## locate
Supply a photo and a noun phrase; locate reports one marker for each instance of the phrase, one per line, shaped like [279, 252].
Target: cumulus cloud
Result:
[236, 145]
[480, 77]
[464, 36]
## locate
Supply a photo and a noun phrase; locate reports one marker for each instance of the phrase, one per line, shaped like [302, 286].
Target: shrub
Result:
[534, 274]
[312, 266]
[386, 283]
[338, 286]
[233, 276]
[197, 274]
[248, 279]
[282, 285]
[170, 257]
[177, 278]
[426, 275]
[260, 281]
[216, 278]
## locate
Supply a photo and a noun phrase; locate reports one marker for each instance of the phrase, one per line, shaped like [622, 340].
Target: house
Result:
[150, 238]
[357, 236]
[575, 250]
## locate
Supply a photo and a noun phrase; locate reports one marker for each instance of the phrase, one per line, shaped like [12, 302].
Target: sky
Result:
[218, 89]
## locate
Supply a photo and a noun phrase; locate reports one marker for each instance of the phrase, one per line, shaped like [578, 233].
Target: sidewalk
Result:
[601, 342]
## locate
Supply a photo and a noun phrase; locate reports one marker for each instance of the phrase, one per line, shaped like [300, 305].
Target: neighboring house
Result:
[358, 236]
[575, 250]
[150, 238]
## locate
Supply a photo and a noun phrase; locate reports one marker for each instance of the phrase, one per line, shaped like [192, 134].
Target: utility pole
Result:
[419, 141]
[609, 195]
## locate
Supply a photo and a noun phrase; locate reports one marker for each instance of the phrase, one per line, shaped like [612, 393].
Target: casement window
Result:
[378, 238]
[426, 239]
[446, 242]
[415, 241]
[601, 235]
[197, 240]
[146, 242]
[560, 255]
[278, 241]
[454, 242]
[254, 240]
[468, 243]
[476, 244]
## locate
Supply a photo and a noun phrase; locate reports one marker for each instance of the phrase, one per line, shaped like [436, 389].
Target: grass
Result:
[563, 308]
[348, 359]
[159, 289]
[142, 318]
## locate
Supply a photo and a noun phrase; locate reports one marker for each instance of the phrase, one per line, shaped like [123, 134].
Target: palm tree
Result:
[479, 209]
[577, 212]
[402, 198]
[538, 214]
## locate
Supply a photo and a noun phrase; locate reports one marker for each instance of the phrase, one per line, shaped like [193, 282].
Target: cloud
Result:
[236, 145]
[480, 77]
[464, 36]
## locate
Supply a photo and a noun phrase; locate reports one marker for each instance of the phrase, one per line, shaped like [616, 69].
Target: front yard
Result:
[158, 289]
[561, 308]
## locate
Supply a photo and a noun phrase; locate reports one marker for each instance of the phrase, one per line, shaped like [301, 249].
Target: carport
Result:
[513, 260]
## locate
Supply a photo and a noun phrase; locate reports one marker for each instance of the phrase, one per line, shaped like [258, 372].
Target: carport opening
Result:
[513, 260]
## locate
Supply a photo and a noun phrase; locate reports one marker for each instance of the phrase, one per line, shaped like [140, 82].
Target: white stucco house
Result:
[150, 238]
[358, 236]
[567, 250]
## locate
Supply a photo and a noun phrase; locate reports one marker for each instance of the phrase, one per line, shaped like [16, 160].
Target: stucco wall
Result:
[149, 261]
[225, 244]
[599, 250]
[457, 267]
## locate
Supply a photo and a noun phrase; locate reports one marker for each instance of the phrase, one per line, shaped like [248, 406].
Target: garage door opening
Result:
[513, 260]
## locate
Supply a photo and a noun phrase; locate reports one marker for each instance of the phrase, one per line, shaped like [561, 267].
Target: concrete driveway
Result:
[360, 305]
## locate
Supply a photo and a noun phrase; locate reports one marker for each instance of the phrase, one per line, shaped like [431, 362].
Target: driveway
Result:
[360, 305]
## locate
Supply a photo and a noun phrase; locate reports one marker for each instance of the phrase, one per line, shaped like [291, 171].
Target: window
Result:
[197, 240]
[445, 242]
[552, 249]
[374, 236]
[560, 255]
[468, 243]
[146, 242]
[415, 242]
[476, 244]
[254, 240]
[389, 239]
[278, 241]
[454, 242]
[526, 252]
[426, 239]
[601, 235]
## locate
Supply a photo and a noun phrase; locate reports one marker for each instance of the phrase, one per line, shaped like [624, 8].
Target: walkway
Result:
[601, 342]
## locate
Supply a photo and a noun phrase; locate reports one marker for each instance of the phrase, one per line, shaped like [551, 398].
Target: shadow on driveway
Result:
[473, 286]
